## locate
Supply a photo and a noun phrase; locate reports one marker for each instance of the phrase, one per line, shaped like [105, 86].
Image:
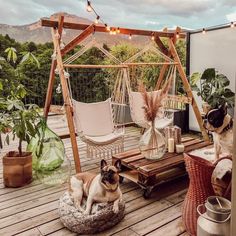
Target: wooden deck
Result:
[32, 210]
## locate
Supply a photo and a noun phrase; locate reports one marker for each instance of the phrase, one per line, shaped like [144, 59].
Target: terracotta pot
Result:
[17, 170]
[200, 188]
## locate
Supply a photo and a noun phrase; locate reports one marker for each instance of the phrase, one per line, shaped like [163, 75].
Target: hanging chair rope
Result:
[148, 47]
[88, 46]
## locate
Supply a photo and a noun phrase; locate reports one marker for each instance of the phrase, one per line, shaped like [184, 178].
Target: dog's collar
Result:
[108, 189]
[228, 127]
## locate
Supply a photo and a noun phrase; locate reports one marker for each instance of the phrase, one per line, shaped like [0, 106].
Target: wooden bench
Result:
[150, 173]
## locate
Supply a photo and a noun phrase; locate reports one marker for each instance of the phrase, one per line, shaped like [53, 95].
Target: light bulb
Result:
[108, 27]
[130, 36]
[177, 35]
[203, 31]
[118, 30]
[111, 32]
[232, 24]
[89, 8]
[97, 20]
[153, 38]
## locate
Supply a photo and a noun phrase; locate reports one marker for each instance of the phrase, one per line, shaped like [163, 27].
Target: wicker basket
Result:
[17, 170]
[200, 188]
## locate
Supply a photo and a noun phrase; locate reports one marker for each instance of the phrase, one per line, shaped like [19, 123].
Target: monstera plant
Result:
[213, 88]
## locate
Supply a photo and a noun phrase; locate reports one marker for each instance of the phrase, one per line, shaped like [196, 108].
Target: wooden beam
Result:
[100, 28]
[149, 63]
[160, 44]
[79, 38]
[164, 67]
[188, 89]
[94, 66]
[52, 75]
[67, 102]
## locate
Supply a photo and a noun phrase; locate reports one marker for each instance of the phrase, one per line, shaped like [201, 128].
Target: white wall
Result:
[215, 49]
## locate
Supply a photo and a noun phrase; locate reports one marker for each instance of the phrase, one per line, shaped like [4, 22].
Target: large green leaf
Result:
[209, 75]
[195, 77]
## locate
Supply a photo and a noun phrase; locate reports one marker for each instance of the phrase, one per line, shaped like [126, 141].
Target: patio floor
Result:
[32, 210]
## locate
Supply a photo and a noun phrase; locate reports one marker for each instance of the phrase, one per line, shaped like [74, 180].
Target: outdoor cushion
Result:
[101, 218]
[105, 139]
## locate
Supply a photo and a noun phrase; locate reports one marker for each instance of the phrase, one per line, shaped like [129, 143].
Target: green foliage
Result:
[11, 54]
[87, 84]
[20, 119]
[212, 88]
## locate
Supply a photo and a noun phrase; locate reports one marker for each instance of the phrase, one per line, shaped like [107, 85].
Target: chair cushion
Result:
[105, 139]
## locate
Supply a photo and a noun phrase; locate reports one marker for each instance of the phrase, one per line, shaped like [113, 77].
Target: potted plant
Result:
[17, 120]
[212, 87]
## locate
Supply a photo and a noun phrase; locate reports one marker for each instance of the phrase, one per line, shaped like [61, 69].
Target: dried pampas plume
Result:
[153, 101]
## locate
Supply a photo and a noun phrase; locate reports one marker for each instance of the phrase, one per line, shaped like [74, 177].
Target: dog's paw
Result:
[115, 209]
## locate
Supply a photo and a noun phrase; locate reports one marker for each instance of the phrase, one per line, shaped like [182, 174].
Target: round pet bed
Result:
[101, 218]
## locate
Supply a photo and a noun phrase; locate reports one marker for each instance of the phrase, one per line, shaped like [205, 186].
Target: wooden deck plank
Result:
[173, 228]
[32, 209]
[152, 223]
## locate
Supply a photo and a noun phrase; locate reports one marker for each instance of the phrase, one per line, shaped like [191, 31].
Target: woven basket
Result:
[200, 188]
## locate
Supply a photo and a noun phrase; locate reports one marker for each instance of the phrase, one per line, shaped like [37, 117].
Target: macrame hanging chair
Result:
[100, 124]
[164, 116]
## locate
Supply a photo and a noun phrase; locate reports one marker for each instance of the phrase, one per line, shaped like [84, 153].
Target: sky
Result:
[146, 14]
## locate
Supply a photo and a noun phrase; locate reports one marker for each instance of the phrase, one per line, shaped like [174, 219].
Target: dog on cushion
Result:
[103, 187]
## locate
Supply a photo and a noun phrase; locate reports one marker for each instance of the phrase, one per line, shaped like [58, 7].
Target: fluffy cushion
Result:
[102, 216]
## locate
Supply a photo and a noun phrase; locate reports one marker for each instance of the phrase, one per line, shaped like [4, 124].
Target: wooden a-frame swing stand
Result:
[57, 28]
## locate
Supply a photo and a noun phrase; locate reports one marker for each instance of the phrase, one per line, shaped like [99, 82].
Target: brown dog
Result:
[103, 187]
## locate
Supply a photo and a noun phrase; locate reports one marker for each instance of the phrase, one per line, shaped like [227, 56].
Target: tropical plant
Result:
[212, 87]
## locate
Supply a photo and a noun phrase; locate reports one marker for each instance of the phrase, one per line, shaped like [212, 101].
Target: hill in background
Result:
[36, 33]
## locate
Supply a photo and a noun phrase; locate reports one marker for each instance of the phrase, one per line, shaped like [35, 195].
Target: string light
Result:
[177, 35]
[130, 36]
[203, 31]
[89, 8]
[107, 27]
[97, 20]
[232, 24]
[153, 37]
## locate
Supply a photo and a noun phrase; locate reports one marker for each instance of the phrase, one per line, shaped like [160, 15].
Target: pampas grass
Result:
[153, 101]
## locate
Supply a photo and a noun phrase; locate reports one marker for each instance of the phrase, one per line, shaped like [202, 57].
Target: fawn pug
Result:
[103, 187]
[220, 123]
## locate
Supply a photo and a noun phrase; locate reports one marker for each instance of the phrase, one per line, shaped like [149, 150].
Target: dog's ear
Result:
[224, 108]
[103, 163]
[117, 164]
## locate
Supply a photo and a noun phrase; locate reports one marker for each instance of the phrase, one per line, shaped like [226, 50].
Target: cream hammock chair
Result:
[166, 115]
[99, 124]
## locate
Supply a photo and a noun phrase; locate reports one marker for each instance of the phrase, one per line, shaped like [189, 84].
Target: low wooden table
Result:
[150, 173]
